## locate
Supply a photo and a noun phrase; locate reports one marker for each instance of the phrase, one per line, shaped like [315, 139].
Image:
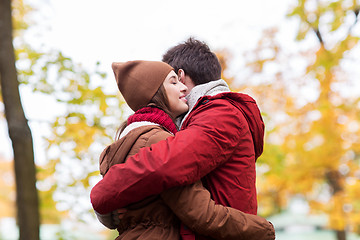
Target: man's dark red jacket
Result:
[219, 143]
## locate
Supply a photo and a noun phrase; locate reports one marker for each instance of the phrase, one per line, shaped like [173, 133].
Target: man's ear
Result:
[181, 75]
[186, 79]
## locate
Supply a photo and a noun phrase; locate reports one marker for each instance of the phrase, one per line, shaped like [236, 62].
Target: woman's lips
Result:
[183, 98]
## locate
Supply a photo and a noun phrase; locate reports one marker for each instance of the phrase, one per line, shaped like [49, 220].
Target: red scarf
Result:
[155, 115]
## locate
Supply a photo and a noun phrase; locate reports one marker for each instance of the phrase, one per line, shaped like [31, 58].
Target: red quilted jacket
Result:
[219, 143]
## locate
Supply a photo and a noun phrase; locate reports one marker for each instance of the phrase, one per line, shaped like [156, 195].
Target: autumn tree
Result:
[312, 116]
[88, 120]
[90, 110]
[19, 131]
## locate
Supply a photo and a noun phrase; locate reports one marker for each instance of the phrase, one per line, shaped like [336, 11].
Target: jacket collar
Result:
[134, 125]
[207, 89]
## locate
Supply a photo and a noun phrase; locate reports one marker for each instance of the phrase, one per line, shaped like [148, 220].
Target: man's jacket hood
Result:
[248, 107]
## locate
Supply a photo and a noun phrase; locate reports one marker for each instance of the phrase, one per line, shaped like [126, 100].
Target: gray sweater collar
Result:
[207, 89]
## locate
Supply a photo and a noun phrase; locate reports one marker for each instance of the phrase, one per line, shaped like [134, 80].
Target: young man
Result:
[221, 138]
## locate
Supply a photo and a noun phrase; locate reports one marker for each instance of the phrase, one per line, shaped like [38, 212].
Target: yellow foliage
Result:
[7, 189]
[337, 216]
[20, 11]
[314, 147]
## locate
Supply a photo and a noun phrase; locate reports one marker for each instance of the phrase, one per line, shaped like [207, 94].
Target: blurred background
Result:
[298, 59]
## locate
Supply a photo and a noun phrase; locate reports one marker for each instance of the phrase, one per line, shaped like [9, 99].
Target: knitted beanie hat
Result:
[138, 81]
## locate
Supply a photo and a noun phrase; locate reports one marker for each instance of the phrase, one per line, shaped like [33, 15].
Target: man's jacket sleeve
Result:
[207, 142]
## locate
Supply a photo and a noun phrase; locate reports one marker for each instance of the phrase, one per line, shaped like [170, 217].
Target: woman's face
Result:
[175, 92]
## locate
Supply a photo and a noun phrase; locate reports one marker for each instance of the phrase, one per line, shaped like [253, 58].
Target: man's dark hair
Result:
[196, 59]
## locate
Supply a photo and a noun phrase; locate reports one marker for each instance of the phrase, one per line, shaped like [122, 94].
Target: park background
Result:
[298, 59]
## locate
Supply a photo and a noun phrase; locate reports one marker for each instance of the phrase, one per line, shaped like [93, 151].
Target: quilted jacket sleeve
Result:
[111, 220]
[194, 207]
[207, 142]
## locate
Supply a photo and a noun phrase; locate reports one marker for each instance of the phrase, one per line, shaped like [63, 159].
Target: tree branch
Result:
[356, 12]
[319, 36]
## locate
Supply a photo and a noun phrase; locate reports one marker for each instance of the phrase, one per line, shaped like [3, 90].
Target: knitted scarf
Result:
[155, 115]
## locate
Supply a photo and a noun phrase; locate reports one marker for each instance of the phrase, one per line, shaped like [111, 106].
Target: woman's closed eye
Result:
[174, 81]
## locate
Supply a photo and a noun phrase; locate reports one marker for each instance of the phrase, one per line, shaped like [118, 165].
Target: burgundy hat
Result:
[138, 81]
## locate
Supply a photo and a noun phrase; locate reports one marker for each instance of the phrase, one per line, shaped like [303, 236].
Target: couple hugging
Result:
[183, 165]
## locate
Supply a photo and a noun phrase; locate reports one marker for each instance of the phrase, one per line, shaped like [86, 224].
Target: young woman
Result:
[153, 91]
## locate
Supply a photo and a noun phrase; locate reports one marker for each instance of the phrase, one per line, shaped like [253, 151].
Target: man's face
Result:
[187, 81]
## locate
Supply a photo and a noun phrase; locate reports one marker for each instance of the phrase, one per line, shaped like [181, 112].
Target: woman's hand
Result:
[117, 215]
[111, 220]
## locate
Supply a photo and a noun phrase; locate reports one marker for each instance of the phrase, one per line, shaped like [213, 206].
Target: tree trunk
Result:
[334, 179]
[25, 174]
[341, 235]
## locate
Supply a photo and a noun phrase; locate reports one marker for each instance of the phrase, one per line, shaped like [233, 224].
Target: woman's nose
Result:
[183, 87]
